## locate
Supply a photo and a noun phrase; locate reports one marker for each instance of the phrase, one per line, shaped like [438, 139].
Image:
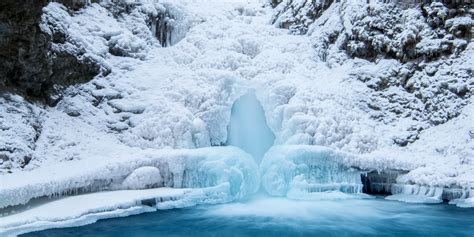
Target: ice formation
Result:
[463, 202]
[416, 194]
[337, 93]
[248, 127]
[197, 168]
[303, 172]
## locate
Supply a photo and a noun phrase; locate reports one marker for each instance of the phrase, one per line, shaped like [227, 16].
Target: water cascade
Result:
[248, 127]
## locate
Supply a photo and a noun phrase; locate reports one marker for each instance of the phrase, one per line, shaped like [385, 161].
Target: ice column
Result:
[248, 127]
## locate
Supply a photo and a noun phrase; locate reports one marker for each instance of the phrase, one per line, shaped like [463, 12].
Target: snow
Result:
[197, 168]
[18, 120]
[142, 178]
[89, 208]
[146, 124]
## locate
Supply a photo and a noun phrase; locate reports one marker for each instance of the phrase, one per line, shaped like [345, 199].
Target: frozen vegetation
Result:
[344, 87]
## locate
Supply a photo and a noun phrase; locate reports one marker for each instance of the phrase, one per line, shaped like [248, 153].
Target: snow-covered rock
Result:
[142, 178]
[20, 127]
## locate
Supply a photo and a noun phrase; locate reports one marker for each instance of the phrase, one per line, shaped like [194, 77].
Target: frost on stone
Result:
[415, 64]
[171, 24]
[297, 15]
[102, 29]
[20, 127]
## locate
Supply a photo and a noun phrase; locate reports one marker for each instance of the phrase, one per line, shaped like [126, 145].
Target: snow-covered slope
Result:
[407, 77]
[343, 85]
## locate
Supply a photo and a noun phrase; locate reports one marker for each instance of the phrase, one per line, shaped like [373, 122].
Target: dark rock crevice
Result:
[29, 65]
[170, 26]
[380, 183]
[162, 27]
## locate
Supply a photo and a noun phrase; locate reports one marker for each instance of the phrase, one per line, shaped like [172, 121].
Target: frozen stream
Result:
[284, 217]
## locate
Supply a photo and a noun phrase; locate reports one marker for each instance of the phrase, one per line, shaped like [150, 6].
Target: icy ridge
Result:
[197, 168]
[430, 194]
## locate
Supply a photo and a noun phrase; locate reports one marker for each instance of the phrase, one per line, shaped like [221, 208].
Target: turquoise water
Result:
[283, 217]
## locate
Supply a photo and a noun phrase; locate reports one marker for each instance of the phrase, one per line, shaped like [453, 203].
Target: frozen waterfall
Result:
[309, 172]
[248, 127]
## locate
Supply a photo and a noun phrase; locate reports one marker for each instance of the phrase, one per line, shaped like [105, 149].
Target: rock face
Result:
[297, 15]
[51, 48]
[40, 55]
[28, 63]
[20, 127]
[413, 55]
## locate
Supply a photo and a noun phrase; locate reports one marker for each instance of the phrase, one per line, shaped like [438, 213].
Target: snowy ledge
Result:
[197, 168]
[316, 173]
[89, 208]
[162, 179]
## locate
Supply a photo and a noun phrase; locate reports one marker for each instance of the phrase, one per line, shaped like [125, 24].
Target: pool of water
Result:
[282, 217]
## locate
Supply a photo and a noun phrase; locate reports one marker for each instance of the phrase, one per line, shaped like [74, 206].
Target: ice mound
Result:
[197, 168]
[306, 172]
